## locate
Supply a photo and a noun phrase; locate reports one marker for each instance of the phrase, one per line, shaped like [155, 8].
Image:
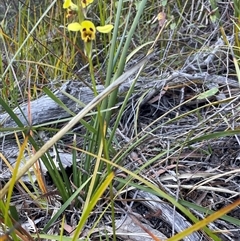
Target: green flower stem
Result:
[88, 50]
[99, 118]
[80, 12]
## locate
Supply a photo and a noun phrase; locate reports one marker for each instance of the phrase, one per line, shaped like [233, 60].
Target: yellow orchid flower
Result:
[71, 8]
[88, 29]
[70, 5]
[85, 3]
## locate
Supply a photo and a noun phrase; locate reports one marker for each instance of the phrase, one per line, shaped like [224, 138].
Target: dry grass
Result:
[185, 145]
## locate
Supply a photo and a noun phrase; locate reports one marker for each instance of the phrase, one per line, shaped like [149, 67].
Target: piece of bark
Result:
[128, 229]
[12, 152]
[168, 215]
[44, 109]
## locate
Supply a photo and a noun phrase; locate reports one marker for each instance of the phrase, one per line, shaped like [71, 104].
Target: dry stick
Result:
[75, 120]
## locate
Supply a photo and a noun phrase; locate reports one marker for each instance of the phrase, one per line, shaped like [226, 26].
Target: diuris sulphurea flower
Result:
[88, 33]
[88, 29]
[85, 3]
[71, 7]
[69, 4]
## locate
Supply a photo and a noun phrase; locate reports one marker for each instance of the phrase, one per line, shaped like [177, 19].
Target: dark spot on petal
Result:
[91, 29]
[84, 29]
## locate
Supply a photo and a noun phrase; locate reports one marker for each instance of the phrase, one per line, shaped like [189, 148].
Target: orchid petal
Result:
[74, 27]
[67, 4]
[105, 29]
